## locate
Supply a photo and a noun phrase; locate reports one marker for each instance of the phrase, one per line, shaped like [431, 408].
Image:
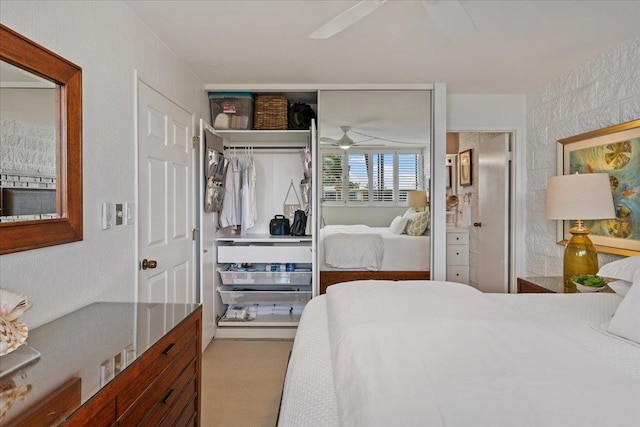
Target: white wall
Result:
[498, 113]
[602, 92]
[109, 42]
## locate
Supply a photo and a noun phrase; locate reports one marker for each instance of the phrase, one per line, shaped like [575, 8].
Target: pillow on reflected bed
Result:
[398, 224]
[418, 224]
[626, 321]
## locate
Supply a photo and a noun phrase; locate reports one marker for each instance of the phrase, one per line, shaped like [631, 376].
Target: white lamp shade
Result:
[416, 199]
[580, 196]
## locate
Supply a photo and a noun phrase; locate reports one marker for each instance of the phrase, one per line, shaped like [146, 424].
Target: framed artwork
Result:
[614, 150]
[466, 167]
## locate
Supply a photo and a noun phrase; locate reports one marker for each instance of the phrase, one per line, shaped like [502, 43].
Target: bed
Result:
[357, 252]
[439, 353]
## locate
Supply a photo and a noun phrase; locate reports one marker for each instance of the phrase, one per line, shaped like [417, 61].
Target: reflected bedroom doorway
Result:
[483, 210]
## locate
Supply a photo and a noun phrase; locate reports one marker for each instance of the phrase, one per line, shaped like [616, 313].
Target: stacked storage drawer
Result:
[255, 273]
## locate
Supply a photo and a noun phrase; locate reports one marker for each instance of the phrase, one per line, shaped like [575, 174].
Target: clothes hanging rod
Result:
[263, 147]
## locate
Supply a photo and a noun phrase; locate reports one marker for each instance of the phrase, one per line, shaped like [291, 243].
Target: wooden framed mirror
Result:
[19, 233]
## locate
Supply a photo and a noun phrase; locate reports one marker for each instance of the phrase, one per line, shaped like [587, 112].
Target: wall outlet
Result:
[129, 213]
[108, 215]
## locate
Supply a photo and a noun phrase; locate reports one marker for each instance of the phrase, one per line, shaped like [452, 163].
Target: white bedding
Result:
[399, 252]
[522, 360]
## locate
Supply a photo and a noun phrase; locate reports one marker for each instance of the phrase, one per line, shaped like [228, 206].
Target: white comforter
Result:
[435, 353]
[352, 246]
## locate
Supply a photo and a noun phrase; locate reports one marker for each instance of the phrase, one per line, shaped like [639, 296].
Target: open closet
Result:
[262, 281]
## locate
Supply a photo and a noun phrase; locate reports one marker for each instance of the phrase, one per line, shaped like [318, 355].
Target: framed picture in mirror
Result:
[466, 167]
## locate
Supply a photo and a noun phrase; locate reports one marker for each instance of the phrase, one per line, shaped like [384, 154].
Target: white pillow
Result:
[620, 287]
[410, 213]
[626, 321]
[622, 269]
[398, 224]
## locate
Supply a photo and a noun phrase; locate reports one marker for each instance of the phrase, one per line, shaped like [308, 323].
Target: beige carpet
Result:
[242, 382]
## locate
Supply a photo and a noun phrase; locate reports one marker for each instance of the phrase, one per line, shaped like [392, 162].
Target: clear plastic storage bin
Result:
[264, 277]
[233, 295]
[231, 110]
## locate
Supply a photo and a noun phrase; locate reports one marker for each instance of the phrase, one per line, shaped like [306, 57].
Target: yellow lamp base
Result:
[580, 257]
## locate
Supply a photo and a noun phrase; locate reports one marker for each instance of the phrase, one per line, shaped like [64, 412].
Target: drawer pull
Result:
[167, 396]
[168, 349]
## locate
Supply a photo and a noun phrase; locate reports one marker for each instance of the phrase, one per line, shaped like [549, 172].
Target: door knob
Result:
[477, 224]
[148, 263]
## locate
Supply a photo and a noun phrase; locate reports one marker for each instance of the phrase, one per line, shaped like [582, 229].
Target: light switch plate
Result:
[129, 213]
[108, 215]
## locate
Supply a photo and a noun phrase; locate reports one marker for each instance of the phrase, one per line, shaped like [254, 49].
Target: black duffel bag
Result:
[299, 223]
[279, 226]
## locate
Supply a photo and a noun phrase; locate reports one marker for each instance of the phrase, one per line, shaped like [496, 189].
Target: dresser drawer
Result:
[457, 255]
[265, 253]
[454, 238]
[458, 274]
[153, 403]
[145, 370]
[52, 409]
[184, 407]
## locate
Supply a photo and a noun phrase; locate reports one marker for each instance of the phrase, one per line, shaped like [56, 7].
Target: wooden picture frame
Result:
[614, 150]
[465, 163]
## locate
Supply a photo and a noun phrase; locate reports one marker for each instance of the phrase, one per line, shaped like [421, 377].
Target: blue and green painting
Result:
[621, 160]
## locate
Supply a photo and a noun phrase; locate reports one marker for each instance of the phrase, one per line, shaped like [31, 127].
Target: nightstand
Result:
[551, 284]
[540, 284]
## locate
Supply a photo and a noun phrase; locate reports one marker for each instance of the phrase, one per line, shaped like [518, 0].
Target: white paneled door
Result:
[493, 216]
[165, 200]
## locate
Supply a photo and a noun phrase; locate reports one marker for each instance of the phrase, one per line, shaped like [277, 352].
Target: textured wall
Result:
[602, 92]
[27, 147]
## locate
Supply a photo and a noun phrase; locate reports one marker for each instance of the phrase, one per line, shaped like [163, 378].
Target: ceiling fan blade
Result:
[450, 18]
[346, 19]
[329, 140]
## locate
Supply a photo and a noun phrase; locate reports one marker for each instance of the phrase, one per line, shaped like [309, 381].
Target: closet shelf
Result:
[292, 138]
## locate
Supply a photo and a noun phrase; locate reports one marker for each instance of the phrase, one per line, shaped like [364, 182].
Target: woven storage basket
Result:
[270, 113]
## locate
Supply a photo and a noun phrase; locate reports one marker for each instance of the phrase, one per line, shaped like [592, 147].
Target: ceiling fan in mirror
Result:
[346, 142]
[448, 16]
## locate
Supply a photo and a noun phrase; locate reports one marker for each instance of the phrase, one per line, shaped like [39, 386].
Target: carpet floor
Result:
[242, 382]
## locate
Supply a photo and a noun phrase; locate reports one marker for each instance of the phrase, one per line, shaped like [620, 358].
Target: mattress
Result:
[401, 252]
[309, 396]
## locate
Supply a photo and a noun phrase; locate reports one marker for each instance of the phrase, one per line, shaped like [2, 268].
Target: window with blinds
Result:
[370, 177]
[408, 174]
[332, 177]
[358, 177]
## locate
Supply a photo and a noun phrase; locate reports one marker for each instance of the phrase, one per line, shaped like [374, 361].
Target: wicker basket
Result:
[270, 113]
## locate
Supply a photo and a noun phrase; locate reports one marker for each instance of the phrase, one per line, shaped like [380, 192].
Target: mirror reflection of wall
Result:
[452, 205]
[29, 145]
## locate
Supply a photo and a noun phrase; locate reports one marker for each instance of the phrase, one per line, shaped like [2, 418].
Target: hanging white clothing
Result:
[249, 208]
[231, 214]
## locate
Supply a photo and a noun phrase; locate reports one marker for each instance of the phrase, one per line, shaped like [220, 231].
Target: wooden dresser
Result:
[159, 386]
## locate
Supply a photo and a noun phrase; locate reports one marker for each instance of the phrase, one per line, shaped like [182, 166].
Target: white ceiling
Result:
[518, 46]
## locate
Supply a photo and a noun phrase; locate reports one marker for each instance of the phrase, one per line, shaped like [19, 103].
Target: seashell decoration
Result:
[12, 333]
[10, 393]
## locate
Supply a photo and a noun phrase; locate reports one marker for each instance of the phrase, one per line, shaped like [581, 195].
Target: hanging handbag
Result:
[289, 209]
[299, 223]
[279, 226]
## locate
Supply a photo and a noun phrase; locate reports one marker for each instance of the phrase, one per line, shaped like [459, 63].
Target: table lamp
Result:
[417, 199]
[579, 197]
